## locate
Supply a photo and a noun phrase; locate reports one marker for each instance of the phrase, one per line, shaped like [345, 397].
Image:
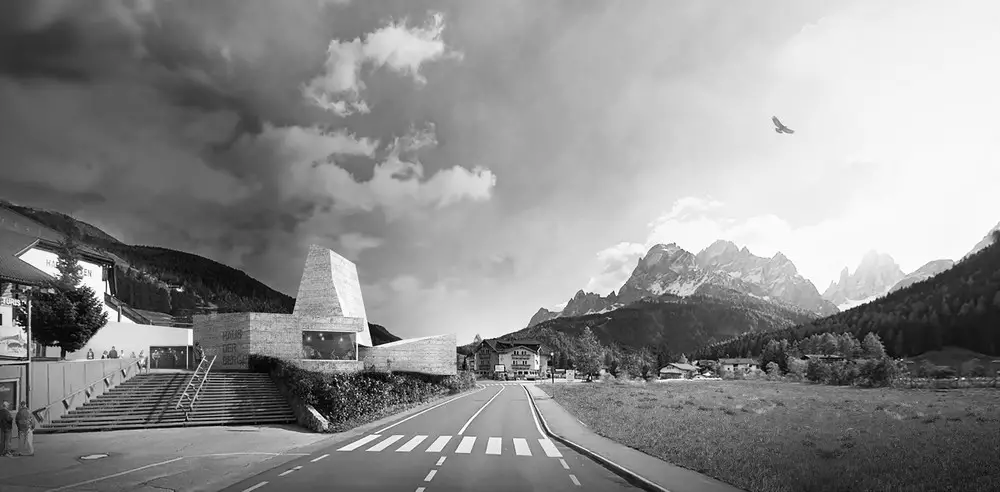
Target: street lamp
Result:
[552, 368]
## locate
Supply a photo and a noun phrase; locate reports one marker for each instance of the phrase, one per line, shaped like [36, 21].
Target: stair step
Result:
[151, 400]
[199, 423]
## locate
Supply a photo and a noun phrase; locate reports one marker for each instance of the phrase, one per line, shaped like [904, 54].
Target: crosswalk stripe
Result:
[386, 443]
[494, 445]
[521, 447]
[361, 442]
[412, 443]
[438, 444]
[465, 447]
[550, 449]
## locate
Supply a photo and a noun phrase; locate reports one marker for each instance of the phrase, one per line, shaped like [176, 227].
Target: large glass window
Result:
[326, 345]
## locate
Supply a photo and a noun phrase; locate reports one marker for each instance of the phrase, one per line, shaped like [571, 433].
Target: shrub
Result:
[842, 373]
[818, 372]
[879, 372]
[797, 367]
[347, 400]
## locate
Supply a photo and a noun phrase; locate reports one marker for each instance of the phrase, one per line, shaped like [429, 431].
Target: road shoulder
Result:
[640, 469]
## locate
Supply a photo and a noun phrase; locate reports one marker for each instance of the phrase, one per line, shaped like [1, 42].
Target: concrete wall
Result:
[330, 365]
[131, 337]
[234, 336]
[330, 288]
[53, 381]
[428, 355]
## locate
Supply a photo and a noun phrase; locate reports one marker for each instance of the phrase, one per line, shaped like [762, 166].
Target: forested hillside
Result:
[180, 284]
[959, 307]
[666, 326]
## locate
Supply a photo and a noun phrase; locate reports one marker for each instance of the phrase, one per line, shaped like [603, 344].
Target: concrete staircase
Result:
[150, 401]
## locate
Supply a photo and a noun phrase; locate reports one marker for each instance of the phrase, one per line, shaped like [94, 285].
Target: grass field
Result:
[776, 436]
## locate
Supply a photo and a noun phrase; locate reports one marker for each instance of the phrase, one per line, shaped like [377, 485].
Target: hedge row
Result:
[348, 400]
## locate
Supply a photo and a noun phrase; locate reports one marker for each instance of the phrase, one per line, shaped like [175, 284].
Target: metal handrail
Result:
[86, 387]
[202, 384]
[190, 385]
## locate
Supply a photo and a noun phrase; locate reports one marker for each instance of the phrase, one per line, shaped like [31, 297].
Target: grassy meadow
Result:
[766, 436]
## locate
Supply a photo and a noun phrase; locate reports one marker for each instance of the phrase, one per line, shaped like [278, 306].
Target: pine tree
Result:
[68, 264]
[588, 358]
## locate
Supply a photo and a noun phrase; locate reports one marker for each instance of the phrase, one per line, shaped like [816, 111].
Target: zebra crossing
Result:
[495, 446]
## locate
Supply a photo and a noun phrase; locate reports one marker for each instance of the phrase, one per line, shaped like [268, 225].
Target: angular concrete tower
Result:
[329, 288]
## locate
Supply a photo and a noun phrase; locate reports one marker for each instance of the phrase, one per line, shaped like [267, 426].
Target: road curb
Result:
[629, 476]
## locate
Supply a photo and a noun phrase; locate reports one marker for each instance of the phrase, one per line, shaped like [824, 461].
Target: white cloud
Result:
[617, 263]
[396, 46]
[819, 250]
[353, 243]
[397, 187]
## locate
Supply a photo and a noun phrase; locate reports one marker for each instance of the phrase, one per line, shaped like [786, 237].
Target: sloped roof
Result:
[671, 370]
[14, 269]
[12, 222]
[737, 361]
[684, 367]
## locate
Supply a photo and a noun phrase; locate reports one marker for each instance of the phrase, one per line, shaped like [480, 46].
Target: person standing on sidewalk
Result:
[25, 431]
[6, 428]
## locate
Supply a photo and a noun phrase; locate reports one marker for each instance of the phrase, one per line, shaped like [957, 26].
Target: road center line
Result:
[317, 459]
[427, 410]
[430, 476]
[290, 470]
[563, 463]
[466, 426]
[575, 481]
[441, 461]
[531, 408]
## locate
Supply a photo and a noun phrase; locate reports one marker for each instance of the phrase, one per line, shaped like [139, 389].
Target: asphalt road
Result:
[488, 440]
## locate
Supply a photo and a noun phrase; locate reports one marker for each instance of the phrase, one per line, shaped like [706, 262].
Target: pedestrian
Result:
[90, 354]
[143, 363]
[25, 431]
[104, 355]
[113, 354]
[6, 428]
[199, 354]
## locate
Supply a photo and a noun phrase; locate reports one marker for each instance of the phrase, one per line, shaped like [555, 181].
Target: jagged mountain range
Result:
[878, 275]
[669, 269]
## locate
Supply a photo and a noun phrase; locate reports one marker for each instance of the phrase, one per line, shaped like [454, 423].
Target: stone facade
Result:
[329, 300]
[330, 288]
[428, 355]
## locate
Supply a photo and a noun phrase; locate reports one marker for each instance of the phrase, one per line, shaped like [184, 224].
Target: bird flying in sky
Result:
[780, 128]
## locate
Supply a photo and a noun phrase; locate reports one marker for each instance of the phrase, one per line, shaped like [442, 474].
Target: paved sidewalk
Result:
[661, 475]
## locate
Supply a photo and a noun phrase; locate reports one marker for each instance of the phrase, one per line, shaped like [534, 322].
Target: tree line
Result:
[958, 307]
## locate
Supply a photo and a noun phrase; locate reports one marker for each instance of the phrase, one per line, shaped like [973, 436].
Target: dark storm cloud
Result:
[181, 123]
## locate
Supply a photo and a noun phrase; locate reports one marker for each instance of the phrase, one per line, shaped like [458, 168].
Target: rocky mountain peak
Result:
[876, 274]
[981, 245]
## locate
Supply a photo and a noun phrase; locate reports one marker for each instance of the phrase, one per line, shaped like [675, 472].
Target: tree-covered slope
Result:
[959, 307]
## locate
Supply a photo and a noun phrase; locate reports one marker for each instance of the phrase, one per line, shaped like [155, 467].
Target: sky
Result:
[481, 159]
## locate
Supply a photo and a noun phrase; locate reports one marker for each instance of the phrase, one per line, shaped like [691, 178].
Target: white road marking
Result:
[430, 476]
[466, 426]
[426, 410]
[360, 442]
[286, 472]
[563, 462]
[493, 445]
[550, 448]
[255, 487]
[420, 489]
[385, 443]
[412, 443]
[126, 472]
[441, 461]
[438, 444]
[531, 408]
[521, 447]
[575, 481]
[465, 447]
[321, 457]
